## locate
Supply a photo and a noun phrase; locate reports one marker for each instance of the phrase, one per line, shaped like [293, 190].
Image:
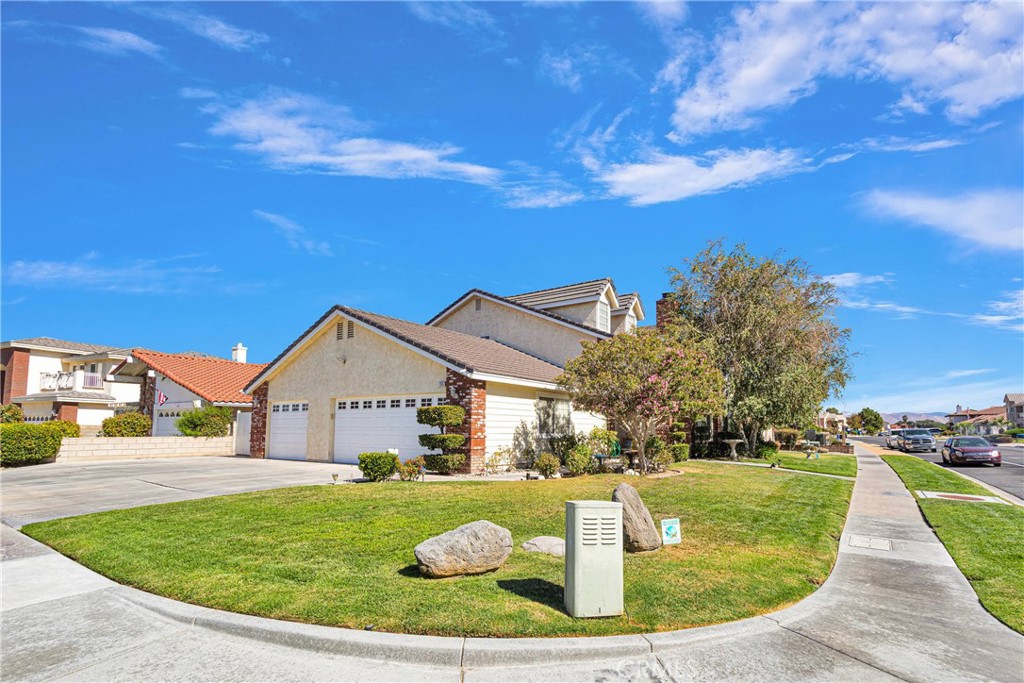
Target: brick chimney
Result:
[238, 353]
[664, 309]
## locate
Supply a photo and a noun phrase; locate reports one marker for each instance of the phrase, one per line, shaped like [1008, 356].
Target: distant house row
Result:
[991, 420]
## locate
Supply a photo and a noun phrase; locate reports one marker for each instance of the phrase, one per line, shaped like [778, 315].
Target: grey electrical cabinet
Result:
[593, 558]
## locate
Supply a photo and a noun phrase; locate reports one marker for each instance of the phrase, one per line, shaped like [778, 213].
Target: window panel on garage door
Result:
[378, 424]
[288, 421]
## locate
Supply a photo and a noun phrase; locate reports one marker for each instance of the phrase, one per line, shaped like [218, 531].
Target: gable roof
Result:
[626, 302]
[58, 345]
[463, 352]
[522, 307]
[1014, 398]
[556, 296]
[217, 380]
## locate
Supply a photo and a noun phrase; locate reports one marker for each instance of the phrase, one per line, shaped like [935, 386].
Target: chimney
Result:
[664, 310]
[958, 408]
[238, 353]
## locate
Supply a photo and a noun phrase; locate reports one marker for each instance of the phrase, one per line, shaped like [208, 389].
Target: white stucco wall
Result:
[37, 412]
[124, 392]
[93, 415]
[545, 339]
[325, 369]
[581, 313]
[39, 362]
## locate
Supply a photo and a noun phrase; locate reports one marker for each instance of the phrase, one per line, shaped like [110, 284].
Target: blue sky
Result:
[185, 176]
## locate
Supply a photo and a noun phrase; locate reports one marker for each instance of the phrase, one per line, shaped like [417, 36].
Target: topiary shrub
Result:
[579, 460]
[410, 469]
[443, 417]
[27, 444]
[205, 421]
[547, 464]
[11, 414]
[444, 463]
[378, 466]
[127, 424]
[680, 451]
[66, 428]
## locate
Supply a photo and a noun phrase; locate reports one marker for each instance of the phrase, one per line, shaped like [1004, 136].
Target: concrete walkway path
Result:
[895, 607]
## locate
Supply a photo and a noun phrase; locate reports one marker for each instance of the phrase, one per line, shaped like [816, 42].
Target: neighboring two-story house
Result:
[1014, 404]
[353, 381]
[55, 379]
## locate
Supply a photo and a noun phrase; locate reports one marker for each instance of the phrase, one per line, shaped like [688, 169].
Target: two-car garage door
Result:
[379, 424]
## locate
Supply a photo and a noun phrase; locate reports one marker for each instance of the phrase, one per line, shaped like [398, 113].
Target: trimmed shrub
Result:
[441, 416]
[127, 424]
[1016, 431]
[767, 449]
[444, 463]
[547, 464]
[562, 444]
[205, 421]
[27, 444]
[602, 440]
[787, 438]
[410, 469]
[66, 429]
[1001, 438]
[442, 442]
[680, 451]
[580, 460]
[661, 461]
[378, 466]
[11, 414]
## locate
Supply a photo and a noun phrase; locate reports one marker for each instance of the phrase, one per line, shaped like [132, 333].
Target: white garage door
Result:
[288, 431]
[167, 421]
[379, 423]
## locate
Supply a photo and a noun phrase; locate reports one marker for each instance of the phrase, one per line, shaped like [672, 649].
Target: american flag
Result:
[160, 397]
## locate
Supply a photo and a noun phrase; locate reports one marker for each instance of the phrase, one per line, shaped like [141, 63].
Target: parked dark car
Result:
[961, 450]
[911, 440]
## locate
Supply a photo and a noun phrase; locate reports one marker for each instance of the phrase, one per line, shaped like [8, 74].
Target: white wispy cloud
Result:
[301, 133]
[569, 67]
[956, 374]
[854, 280]
[298, 237]
[190, 93]
[992, 219]
[966, 57]
[1006, 313]
[664, 177]
[203, 25]
[110, 41]
[462, 17]
[940, 397]
[140, 276]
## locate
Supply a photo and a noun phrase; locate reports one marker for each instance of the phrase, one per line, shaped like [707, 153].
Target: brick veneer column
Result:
[15, 363]
[471, 394]
[66, 411]
[258, 428]
[147, 397]
[664, 309]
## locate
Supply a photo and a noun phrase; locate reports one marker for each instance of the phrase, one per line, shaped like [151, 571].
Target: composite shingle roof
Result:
[215, 379]
[1015, 398]
[626, 301]
[556, 295]
[61, 344]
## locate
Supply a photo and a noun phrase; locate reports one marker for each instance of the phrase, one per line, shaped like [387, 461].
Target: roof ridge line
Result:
[574, 284]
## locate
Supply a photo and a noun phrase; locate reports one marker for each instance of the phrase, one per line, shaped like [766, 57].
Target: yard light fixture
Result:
[334, 476]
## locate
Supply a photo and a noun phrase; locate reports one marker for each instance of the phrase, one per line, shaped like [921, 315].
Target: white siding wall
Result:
[508, 406]
[179, 399]
[584, 422]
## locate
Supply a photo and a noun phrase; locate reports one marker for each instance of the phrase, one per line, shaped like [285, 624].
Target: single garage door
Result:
[288, 431]
[167, 421]
[378, 424]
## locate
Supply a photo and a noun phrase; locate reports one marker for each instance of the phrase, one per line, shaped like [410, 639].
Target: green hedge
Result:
[205, 421]
[66, 429]
[444, 442]
[10, 413]
[444, 463]
[378, 466]
[127, 424]
[28, 443]
[680, 451]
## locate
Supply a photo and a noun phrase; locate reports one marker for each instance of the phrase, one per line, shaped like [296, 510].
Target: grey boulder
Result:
[550, 545]
[638, 531]
[472, 548]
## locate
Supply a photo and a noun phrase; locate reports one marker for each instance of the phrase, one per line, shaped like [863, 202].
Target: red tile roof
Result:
[215, 379]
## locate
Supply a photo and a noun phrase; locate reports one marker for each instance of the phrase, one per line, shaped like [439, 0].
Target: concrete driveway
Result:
[42, 492]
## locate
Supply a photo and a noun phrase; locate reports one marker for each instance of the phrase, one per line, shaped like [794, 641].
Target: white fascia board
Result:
[232, 404]
[502, 379]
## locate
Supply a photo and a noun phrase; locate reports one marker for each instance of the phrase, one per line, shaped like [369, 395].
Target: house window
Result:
[275, 409]
[285, 408]
[396, 403]
[367, 405]
[410, 403]
[305, 407]
[426, 402]
[354, 405]
[630, 322]
[442, 401]
[382, 403]
[342, 405]
[553, 415]
[603, 316]
[295, 407]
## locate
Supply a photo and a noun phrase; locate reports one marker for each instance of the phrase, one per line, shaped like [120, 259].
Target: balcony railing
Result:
[92, 380]
[70, 381]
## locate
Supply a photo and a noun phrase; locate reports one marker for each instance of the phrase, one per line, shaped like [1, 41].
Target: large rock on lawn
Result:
[551, 545]
[638, 531]
[473, 548]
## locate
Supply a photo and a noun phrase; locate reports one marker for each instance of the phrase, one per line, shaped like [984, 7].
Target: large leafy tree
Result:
[771, 330]
[871, 420]
[643, 379]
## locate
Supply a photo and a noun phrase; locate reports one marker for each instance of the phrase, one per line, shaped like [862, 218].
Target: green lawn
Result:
[754, 540]
[985, 539]
[828, 463]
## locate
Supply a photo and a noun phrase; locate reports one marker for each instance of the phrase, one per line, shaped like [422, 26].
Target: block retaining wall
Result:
[87, 448]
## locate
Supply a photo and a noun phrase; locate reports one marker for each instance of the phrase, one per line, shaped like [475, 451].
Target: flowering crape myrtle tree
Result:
[643, 379]
[770, 327]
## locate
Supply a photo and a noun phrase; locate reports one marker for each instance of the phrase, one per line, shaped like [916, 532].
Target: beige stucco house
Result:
[353, 381]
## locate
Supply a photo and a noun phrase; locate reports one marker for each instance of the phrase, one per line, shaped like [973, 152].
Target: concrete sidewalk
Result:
[895, 607]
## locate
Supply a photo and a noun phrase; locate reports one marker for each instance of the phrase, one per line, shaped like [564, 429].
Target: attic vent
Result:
[351, 329]
[341, 330]
[477, 305]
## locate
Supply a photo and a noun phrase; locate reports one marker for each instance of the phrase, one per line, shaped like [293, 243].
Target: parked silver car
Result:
[891, 436]
[911, 440]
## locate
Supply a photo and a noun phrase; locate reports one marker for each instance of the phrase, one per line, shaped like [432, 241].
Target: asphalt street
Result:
[1009, 477]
